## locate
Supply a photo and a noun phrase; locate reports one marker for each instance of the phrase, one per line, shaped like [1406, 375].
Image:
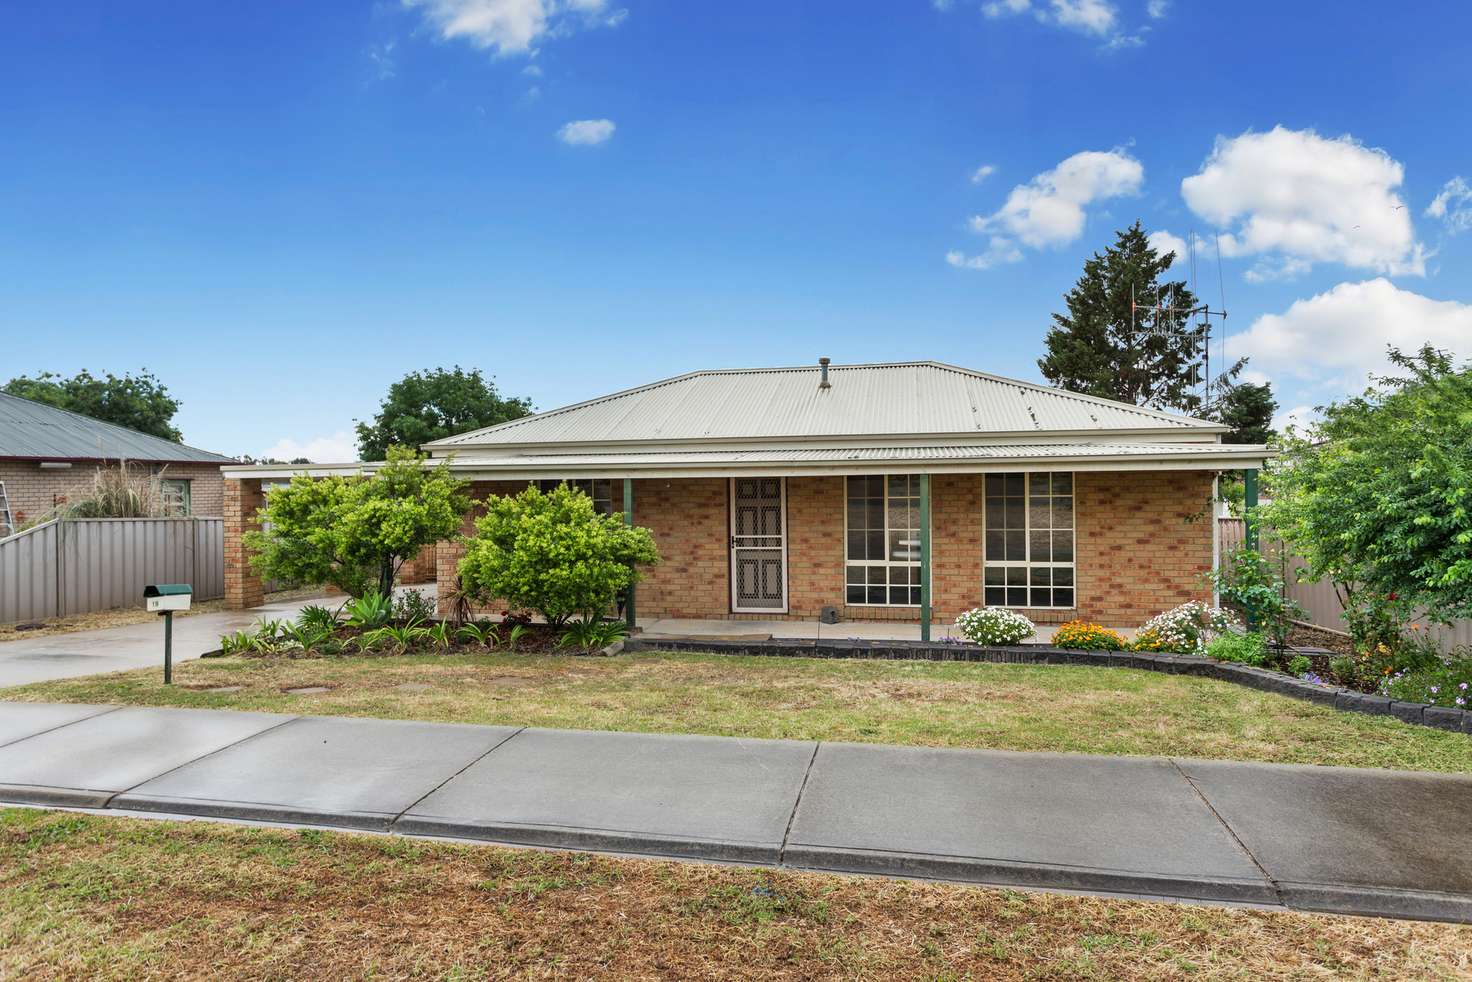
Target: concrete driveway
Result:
[1314, 838]
[117, 649]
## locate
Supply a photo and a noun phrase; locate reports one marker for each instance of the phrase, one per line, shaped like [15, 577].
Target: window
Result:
[1029, 540]
[600, 489]
[176, 497]
[883, 541]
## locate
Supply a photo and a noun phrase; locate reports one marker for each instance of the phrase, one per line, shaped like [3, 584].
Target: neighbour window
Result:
[599, 489]
[1029, 540]
[883, 552]
[176, 498]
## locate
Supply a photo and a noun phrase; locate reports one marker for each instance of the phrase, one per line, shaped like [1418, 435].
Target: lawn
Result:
[1074, 709]
[93, 897]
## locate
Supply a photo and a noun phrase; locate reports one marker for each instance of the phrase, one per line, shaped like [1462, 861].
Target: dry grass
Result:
[1012, 707]
[124, 616]
[89, 897]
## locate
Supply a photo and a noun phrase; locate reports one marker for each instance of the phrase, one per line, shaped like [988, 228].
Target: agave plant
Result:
[481, 633]
[371, 610]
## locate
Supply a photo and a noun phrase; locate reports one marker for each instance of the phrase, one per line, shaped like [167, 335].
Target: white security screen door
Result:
[759, 545]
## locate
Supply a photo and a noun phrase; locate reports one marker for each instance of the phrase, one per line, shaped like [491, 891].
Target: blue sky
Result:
[281, 207]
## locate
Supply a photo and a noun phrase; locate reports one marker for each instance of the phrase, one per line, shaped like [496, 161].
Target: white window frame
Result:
[1027, 539]
[185, 489]
[847, 562]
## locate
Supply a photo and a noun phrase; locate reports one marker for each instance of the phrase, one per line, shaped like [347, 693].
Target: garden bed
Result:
[1266, 680]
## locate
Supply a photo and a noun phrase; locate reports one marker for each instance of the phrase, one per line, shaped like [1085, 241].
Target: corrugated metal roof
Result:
[829, 455]
[35, 430]
[910, 398]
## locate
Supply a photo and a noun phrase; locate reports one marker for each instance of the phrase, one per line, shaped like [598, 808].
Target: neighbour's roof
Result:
[35, 431]
[908, 399]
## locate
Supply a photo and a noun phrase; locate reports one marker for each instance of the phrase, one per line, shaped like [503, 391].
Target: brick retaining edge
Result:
[1265, 680]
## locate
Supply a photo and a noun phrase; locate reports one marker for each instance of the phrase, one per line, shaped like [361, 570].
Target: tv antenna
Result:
[1162, 320]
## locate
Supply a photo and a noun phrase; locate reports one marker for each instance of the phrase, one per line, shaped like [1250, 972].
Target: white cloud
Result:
[1295, 198]
[1097, 17]
[1453, 205]
[982, 173]
[586, 132]
[513, 26]
[1157, 9]
[382, 57]
[1049, 209]
[339, 448]
[1337, 338]
[1299, 417]
[1162, 242]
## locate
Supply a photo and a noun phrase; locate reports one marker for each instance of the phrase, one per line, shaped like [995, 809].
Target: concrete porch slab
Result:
[87, 762]
[1390, 843]
[360, 773]
[1132, 825]
[705, 797]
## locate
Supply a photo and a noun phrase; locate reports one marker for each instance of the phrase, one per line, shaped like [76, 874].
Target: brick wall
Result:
[243, 588]
[1137, 554]
[1144, 543]
[33, 491]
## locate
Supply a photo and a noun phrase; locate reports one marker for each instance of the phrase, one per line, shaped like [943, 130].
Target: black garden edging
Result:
[1437, 717]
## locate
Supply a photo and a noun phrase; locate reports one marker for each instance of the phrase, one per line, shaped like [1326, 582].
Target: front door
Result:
[759, 545]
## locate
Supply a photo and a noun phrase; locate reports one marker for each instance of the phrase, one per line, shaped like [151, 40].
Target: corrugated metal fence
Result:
[81, 565]
[1319, 600]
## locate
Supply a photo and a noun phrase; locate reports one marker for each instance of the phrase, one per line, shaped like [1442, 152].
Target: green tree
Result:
[1378, 496]
[139, 402]
[431, 405]
[355, 532]
[1248, 409]
[553, 553]
[1103, 348]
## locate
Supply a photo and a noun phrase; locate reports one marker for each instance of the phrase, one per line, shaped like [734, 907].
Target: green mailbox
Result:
[164, 599]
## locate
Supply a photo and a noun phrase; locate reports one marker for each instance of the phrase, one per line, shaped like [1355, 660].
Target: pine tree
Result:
[1098, 348]
[1248, 409]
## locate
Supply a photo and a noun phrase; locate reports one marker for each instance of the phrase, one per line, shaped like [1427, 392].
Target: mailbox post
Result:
[165, 598]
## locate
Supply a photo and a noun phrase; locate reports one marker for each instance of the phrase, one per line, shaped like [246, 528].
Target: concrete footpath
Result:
[1315, 838]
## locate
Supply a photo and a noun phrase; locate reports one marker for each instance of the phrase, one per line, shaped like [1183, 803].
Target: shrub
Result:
[994, 625]
[1254, 584]
[411, 605]
[553, 553]
[355, 532]
[1083, 636]
[1299, 665]
[1187, 629]
[1447, 684]
[1245, 649]
[479, 633]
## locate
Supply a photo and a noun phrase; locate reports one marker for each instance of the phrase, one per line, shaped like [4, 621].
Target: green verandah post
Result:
[629, 520]
[924, 557]
[1249, 522]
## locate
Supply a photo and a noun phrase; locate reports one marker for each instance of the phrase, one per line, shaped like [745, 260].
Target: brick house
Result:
[909, 492]
[49, 456]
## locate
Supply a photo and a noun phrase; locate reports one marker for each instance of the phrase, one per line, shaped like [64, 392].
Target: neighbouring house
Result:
[777, 493]
[49, 456]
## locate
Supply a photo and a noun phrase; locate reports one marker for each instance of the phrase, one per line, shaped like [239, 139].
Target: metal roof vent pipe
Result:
[823, 382]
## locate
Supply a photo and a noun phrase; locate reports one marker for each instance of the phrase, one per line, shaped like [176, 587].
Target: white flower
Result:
[994, 625]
